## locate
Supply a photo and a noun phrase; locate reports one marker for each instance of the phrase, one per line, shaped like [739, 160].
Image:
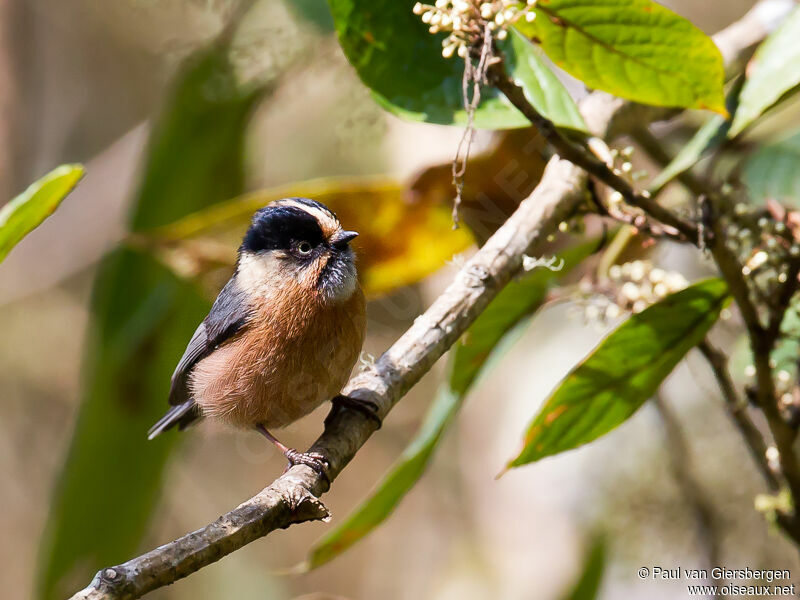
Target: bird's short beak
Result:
[340, 239]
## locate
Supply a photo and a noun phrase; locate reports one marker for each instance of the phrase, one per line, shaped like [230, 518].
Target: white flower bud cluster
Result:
[641, 284]
[763, 246]
[630, 287]
[466, 20]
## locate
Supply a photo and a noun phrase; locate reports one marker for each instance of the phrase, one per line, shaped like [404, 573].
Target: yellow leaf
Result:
[403, 237]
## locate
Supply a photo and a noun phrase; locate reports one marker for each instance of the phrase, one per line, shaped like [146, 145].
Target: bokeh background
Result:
[84, 81]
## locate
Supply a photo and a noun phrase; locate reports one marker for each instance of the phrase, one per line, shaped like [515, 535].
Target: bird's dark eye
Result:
[304, 248]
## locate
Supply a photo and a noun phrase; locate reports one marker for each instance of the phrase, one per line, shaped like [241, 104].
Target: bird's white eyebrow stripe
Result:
[325, 218]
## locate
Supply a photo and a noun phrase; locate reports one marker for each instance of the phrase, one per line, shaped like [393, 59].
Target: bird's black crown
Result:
[279, 227]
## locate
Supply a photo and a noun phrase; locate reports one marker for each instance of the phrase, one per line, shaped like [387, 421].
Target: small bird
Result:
[284, 333]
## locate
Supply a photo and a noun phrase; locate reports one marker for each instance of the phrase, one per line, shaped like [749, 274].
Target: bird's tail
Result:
[181, 415]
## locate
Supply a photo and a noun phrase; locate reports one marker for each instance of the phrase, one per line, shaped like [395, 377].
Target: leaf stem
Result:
[582, 157]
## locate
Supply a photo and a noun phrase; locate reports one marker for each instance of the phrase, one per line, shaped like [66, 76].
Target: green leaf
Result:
[710, 136]
[588, 585]
[773, 70]
[143, 318]
[772, 172]
[607, 387]
[402, 63]
[635, 49]
[394, 486]
[542, 89]
[26, 212]
[702, 141]
[518, 300]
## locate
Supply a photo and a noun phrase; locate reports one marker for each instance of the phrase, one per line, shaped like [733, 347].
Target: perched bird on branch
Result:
[284, 332]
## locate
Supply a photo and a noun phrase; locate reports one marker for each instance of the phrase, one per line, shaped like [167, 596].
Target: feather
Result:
[182, 415]
[227, 316]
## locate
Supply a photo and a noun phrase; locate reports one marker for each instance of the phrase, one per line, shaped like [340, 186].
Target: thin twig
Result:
[582, 157]
[783, 299]
[737, 409]
[761, 345]
[637, 222]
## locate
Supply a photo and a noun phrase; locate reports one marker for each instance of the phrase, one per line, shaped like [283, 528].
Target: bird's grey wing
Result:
[229, 313]
[197, 349]
[226, 317]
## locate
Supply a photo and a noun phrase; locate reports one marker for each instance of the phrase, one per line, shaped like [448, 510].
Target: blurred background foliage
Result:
[194, 159]
[189, 114]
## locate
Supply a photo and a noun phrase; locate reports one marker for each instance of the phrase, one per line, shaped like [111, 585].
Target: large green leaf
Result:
[143, 319]
[774, 70]
[623, 371]
[519, 299]
[772, 171]
[402, 63]
[469, 358]
[25, 212]
[635, 49]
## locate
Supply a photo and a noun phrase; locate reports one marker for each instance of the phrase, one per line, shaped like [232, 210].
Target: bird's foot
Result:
[315, 460]
[365, 407]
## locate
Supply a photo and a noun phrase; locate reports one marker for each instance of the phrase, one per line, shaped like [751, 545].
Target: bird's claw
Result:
[315, 460]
